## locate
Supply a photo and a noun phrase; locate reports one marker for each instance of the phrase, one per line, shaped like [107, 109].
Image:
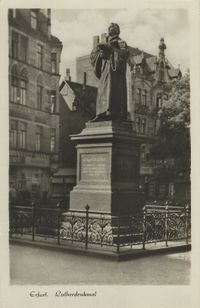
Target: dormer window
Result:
[33, 20]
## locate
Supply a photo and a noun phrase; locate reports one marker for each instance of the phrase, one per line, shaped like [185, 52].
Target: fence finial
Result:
[87, 207]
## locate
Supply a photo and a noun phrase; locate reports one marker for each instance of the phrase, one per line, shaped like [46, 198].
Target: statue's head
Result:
[113, 29]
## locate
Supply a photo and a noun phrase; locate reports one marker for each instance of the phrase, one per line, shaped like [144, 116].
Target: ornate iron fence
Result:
[154, 224]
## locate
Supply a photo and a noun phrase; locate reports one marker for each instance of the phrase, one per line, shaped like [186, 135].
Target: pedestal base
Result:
[107, 169]
[110, 202]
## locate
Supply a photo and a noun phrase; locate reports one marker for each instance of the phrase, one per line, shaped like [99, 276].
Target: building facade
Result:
[146, 76]
[34, 58]
[77, 106]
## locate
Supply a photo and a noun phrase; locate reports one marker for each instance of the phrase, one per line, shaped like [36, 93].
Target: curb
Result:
[103, 254]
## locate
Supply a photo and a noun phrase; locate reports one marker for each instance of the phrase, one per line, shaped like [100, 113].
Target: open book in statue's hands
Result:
[104, 46]
[105, 49]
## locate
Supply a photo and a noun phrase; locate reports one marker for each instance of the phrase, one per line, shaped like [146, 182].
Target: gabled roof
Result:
[137, 57]
[85, 95]
[138, 52]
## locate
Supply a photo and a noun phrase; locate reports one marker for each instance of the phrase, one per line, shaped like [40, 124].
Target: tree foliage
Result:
[173, 142]
[176, 109]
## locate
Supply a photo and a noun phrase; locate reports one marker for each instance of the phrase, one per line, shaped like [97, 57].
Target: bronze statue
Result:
[109, 61]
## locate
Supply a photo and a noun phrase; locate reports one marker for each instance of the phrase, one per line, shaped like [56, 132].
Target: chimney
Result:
[103, 38]
[49, 22]
[84, 80]
[95, 41]
[68, 77]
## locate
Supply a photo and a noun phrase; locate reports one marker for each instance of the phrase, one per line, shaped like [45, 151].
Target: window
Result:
[23, 92]
[14, 90]
[159, 101]
[23, 182]
[39, 56]
[18, 86]
[15, 45]
[17, 134]
[137, 126]
[13, 134]
[74, 106]
[143, 152]
[38, 137]
[33, 20]
[52, 139]
[140, 125]
[53, 101]
[143, 126]
[24, 48]
[53, 62]
[139, 96]
[39, 97]
[144, 98]
[155, 127]
[22, 135]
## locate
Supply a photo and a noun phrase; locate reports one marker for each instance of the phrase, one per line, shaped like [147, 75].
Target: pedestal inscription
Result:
[93, 166]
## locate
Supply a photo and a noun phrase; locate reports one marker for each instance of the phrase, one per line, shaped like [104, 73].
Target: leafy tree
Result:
[173, 142]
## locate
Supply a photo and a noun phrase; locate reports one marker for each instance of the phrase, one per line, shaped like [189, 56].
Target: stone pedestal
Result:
[108, 161]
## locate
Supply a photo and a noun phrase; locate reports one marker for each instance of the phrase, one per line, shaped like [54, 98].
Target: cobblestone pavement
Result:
[46, 267]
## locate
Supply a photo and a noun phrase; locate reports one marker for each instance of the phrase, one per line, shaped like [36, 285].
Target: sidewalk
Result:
[108, 252]
[33, 265]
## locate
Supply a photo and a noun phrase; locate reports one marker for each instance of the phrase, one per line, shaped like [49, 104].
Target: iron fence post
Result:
[118, 235]
[58, 238]
[33, 221]
[21, 223]
[102, 221]
[166, 224]
[72, 233]
[186, 222]
[131, 229]
[144, 227]
[86, 226]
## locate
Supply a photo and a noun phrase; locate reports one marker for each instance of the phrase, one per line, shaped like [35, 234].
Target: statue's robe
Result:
[111, 72]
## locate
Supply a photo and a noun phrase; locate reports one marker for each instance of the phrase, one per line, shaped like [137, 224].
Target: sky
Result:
[139, 28]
